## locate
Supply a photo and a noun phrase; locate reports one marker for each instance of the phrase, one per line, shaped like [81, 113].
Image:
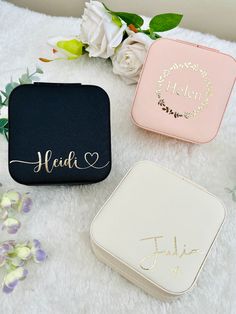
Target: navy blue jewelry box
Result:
[59, 133]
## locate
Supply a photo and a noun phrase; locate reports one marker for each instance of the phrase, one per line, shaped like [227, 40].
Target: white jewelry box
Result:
[157, 229]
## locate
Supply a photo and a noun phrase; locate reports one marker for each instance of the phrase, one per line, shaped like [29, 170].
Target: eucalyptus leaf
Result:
[25, 79]
[165, 22]
[9, 88]
[24, 76]
[4, 94]
[39, 70]
[14, 84]
[128, 18]
[4, 127]
[3, 122]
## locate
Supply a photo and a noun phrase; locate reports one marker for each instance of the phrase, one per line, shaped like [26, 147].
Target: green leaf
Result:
[9, 88]
[3, 122]
[116, 20]
[25, 79]
[4, 94]
[165, 22]
[39, 70]
[4, 131]
[128, 18]
[5, 102]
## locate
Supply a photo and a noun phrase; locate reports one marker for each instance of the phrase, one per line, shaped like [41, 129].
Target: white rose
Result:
[129, 57]
[4, 112]
[99, 31]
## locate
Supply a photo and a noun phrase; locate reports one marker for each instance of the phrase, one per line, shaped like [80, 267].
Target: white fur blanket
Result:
[72, 280]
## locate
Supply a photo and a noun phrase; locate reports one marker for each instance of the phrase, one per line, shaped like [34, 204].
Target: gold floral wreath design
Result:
[193, 67]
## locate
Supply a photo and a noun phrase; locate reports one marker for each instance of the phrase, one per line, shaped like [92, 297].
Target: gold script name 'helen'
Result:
[150, 261]
[186, 91]
[47, 162]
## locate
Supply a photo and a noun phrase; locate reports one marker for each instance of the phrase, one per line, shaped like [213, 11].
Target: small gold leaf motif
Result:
[176, 270]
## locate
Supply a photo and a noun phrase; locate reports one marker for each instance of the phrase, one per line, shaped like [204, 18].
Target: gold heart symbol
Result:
[90, 159]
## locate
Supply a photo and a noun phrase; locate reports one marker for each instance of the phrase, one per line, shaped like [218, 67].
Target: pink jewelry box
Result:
[183, 90]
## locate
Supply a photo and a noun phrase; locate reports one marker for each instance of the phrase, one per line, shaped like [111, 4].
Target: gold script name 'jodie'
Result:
[47, 162]
[150, 261]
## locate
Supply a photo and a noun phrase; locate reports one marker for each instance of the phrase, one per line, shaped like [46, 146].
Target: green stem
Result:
[146, 31]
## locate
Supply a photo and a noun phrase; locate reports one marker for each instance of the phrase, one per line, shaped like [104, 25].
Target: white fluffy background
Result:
[72, 280]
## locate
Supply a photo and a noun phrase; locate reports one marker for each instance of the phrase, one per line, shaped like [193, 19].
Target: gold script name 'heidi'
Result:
[150, 261]
[47, 162]
[69, 162]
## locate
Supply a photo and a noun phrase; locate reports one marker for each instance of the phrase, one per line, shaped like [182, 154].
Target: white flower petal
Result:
[99, 31]
[129, 57]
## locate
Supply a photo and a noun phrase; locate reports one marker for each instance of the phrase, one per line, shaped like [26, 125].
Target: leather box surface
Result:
[59, 133]
[183, 90]
[157, 229]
